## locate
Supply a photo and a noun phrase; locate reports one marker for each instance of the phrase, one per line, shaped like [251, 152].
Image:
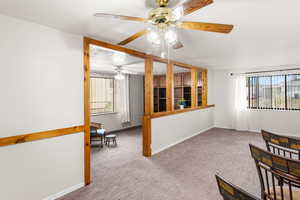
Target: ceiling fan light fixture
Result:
[119, 58]
[162, 3]
[153, 37]
[171, 37]
[119, 76]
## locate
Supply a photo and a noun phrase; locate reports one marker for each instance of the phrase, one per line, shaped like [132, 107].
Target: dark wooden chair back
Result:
[230, 191]
[282, 145]
[279, 176]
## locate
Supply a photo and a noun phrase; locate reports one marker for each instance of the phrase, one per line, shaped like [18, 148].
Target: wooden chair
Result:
[282, 145]
[232, 192]
[94, 137]
[279, 176]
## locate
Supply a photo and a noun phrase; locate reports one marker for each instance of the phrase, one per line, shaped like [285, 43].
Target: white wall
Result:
[284, 122]
[223, 92]
[112, 121]
[210, 87]
[170, 130]
[41, 87]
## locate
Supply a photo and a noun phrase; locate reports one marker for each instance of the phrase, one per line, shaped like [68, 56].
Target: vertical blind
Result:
[102, 95]
[280, 92]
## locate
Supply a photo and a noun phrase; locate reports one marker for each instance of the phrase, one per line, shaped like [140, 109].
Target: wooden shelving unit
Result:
[182, 90]
[159, 99]
[199, 95]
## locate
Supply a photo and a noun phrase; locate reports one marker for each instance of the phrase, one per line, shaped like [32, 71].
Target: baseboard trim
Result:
[230, 128]
[124, 129]
[64, 192]
[182, 140]
[224, 127]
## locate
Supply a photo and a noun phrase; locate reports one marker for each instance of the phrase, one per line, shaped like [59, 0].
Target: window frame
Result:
[251, 89]
[113, 97]
[170, 87]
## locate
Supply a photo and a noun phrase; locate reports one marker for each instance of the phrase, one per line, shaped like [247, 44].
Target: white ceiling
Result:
[266, 32]
[106, 61]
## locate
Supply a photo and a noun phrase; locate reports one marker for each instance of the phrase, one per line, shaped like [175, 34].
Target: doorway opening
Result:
[114, 107]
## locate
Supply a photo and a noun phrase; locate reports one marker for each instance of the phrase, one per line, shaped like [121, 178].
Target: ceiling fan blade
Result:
[122, 17]
[201, 26]
[133, 37]
[177, 45]
[190, 6]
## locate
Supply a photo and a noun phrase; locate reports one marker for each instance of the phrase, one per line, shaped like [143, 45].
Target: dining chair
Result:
[231, 192]
[279, 176]
[286, 146]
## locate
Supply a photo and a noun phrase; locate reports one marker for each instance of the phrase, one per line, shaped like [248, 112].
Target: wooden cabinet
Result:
[199, 96]
[159, 81]
[162, 81]
[186, 77]
[155, 81]
[199, 78]
[178, 80]
[182, 90]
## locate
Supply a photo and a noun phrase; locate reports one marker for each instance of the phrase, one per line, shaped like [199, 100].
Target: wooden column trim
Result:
[87, 145]
[204, 87]
[148, 86]
[148, 107]
[170, 87]
[194, 87]
[147, 151]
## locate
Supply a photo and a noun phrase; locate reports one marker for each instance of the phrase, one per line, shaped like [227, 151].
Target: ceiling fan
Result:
[121, 70]
[163, 20]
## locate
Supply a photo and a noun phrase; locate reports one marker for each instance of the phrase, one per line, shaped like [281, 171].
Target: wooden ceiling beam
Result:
[139, 53]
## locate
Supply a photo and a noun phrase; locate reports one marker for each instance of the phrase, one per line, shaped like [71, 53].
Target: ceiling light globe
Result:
[119, 76]
[119, 58]
[171, 37]
[153, 37]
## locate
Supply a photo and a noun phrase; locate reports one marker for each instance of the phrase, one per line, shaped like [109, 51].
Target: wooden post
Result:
[87, 145]
[194, 87]
[204, 87]
[170, 87]
[148, 107]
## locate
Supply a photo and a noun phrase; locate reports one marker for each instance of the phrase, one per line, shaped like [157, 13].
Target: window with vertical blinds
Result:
[102, 95]
[278, 92]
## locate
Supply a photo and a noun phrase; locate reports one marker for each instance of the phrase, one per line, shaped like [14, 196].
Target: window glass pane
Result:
[278, 92]
[293, 91]
[265, 92]
[253, 92]
[248, 90]
[199, 88]
[182, 87]
[102, 95]
[159, 87]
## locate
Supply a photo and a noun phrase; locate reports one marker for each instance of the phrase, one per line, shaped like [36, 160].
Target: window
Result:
[281, 92]
[102, 95]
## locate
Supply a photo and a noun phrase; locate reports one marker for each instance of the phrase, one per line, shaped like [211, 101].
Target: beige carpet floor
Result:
[183, 172]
